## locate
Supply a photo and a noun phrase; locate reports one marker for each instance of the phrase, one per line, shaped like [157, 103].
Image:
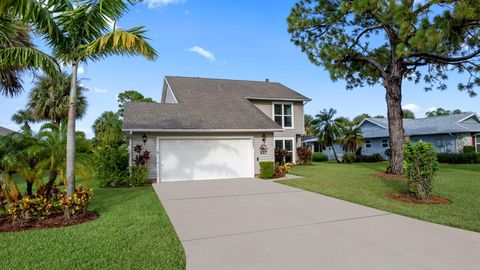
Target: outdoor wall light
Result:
[264, 137]
[144, 139]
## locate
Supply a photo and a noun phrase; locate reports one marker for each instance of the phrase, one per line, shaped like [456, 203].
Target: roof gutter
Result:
[279, 99]
[201, 130]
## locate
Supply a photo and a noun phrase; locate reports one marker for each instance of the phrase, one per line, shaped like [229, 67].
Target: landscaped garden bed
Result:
[411, 199]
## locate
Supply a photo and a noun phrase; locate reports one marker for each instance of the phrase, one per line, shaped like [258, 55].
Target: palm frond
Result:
[27, 57]
[120, 42]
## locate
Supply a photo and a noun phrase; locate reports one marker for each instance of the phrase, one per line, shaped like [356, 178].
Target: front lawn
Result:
[133, 232]
[353, 182]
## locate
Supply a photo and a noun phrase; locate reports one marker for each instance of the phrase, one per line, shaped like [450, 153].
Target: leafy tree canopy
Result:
[130, 96]
[442, 112]
[408, 114]
[359, 118]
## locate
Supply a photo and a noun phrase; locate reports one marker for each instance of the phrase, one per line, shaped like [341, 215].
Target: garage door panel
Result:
[203, 159]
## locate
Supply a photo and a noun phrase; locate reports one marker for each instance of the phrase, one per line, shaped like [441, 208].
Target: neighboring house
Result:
[449, 134]
[5, 131]
[215, 128]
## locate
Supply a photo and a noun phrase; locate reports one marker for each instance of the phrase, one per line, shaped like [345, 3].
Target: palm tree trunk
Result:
[51, 181]
[335, 154]
[30, 189]
[72, 115]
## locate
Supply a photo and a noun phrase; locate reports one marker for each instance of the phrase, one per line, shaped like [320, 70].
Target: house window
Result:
[285, 144]
[385, 143]
[477, 143]
[283, 114]
[368, 143]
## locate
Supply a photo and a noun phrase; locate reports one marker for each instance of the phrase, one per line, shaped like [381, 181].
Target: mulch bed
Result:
[388, 176]
[411, 199]
[6, 224]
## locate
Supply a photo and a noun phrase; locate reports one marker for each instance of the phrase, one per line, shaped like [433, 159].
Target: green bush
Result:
[138, 175]
[349, 157]
[376, 157]
[304, 155]
[459, 158]
[469, 149]
[267, 169]
[319, 157]
[420, 167]
[111, 165]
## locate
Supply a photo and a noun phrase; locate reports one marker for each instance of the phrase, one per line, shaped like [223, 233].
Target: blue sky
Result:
[234, 40]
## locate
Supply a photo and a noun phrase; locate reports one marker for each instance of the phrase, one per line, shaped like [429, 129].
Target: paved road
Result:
[254, 224]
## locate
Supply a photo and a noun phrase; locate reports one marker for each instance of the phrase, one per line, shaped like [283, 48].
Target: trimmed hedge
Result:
[376, 157]
[319, 157]
[267, 169]
[349, 157]
[458, 158]
[469, 149]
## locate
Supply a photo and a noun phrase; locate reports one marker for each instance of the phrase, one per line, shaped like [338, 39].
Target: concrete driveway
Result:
[255, 224]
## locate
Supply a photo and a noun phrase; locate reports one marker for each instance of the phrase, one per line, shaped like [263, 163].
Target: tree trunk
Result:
[51, 182]
[395, 123]
[335, 154]
[30, 189]
[72, 115]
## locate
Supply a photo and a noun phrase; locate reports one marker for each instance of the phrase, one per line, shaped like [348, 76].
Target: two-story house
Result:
[215, 128]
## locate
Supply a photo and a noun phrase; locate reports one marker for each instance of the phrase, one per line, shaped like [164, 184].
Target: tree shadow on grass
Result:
[107, 199]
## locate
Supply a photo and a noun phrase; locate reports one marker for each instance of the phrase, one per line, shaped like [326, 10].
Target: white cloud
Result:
[209, 55]
[100, 90]
[412, 107]
[159, 3]
[80, 70]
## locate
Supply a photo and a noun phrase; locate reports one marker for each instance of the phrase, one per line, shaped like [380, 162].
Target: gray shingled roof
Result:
[209, 104]
[430, 125]
[5, 131]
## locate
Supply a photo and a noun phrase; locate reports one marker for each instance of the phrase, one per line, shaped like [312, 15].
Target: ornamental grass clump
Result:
[420, 167]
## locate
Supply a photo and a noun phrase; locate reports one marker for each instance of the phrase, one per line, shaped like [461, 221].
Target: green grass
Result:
[133, 232]
[353, 182]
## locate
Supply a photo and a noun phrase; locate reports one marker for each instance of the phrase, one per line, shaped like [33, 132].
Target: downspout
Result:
[130, 149]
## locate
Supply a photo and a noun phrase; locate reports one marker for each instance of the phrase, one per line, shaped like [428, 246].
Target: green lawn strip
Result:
[354, 183]
[133, 232]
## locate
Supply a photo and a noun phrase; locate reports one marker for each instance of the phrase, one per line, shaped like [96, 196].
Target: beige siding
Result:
[151, 146]
[266, 106]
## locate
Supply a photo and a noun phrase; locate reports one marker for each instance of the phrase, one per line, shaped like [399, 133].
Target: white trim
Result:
[366, 119]
[278, 99]
[251, 138]
[473, 114]
[283, 115]
[169, 88]
[203, 130]
[294, 146]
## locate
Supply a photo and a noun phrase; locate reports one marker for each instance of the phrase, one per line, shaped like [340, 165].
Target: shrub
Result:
[319, 157]
[138, 175]
[267, 169]
[281, 170]
[304, 155]
[349, 157]
[111, 165]
[280, 155]
[459, 158]
[142, 157]
[42, 207]
[376, 157]
[420, 167]
[469, 149]
[78, 202]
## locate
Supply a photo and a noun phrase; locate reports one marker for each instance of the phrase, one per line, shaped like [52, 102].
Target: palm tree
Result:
[78, 34]
[50, 149]
[408, 114]
[20, 160]
[17, 53]
[108, 129]
[24, 118]
[327, 129]
[351, 138]
[49, 98]
[308, 124]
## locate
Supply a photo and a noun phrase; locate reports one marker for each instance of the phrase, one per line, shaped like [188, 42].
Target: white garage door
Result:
[204, 159]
